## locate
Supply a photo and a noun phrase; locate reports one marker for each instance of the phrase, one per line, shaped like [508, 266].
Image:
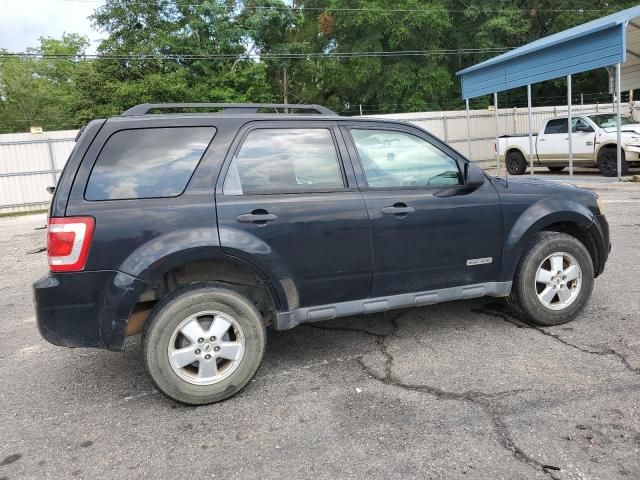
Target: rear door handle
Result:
[259, 218]
[399, 209]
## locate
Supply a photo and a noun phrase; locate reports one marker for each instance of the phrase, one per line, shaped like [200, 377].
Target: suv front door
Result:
[428, 231]
[288, 203]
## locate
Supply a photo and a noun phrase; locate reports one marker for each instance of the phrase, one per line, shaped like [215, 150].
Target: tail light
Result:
[68, 242]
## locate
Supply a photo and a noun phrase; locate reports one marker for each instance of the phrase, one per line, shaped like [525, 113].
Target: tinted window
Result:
[285, 160]
[397, 159]
[146, 163]
[556, 126]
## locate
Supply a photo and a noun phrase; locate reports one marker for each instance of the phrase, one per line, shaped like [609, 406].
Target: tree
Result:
[256, 50]
[39, 92]
[171, 33]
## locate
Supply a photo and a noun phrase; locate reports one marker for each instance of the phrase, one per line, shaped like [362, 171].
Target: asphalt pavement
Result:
[451, 391]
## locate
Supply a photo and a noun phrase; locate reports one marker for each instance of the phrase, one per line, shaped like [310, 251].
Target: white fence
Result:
[31, 162]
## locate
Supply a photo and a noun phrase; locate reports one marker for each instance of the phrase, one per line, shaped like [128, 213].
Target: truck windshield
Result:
[609, 120]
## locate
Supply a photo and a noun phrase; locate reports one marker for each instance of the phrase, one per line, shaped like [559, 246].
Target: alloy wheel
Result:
[558, 281]
[206, 347]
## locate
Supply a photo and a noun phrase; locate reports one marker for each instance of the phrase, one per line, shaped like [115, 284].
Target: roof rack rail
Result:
[145, 108]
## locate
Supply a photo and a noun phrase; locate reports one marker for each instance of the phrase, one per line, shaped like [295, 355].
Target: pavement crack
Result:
[498, 311]
[479, 398]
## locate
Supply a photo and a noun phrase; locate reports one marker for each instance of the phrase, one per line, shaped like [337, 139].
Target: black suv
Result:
[202, 224]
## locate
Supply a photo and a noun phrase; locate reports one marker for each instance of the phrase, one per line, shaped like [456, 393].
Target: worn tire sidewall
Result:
[167, 316]
[527, 299]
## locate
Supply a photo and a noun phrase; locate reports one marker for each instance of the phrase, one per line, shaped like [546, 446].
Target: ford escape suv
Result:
[199, 225]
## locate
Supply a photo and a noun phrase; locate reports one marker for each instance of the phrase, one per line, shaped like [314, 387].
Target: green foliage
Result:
[147, 55]
[37, 92]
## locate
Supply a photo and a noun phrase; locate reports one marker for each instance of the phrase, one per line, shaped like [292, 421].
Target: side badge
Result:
[479, 261]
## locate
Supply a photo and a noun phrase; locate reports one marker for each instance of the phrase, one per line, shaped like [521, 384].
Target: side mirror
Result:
[584, 128]
[473, 176]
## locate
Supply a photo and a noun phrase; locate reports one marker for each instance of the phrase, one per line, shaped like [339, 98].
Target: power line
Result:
[351, 9]
[249, 56]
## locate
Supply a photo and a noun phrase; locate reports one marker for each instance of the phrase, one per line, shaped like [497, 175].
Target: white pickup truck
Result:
[594, 145]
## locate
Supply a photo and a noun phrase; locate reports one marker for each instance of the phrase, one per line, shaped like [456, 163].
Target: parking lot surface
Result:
[451, 391]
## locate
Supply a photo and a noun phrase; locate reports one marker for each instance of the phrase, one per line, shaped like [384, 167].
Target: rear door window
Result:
[147, 163]
[558, 125]
[285, 160]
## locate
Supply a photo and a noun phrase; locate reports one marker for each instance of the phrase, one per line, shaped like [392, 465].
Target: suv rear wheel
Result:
[203, 343]
[553, 281]
[516, 164]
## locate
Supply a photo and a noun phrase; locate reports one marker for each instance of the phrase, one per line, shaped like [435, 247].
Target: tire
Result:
[608, 162]
[528, 296]
[233, 336]
[555, 169]
[516, 164]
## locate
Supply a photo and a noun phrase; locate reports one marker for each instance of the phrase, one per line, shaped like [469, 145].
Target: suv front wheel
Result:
[203, 343]
[553, 281]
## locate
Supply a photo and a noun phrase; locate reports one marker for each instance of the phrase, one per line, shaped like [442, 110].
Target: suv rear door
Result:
[288, 203]
[428, 232]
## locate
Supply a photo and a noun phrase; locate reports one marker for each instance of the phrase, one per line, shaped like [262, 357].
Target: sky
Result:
[22, 22]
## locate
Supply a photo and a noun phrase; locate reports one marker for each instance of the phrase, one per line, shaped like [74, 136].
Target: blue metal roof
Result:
[595, 44]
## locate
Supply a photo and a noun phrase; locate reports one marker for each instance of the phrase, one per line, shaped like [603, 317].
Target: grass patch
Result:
[20, 214]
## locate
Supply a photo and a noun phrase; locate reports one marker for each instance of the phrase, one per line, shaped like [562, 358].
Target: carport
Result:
[611, 42]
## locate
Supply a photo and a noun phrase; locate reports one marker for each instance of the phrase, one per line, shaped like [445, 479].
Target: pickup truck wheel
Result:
[555, 169]
[608, 162]
[203, 343]
[516, 164]
[553, 281]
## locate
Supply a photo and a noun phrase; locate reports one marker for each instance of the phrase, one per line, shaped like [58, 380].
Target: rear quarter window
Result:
[147, 163]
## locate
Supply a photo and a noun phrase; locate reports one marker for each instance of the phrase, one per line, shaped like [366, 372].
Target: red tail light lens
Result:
[68, 242]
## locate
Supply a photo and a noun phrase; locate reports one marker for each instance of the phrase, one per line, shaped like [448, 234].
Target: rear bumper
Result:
[86, 309]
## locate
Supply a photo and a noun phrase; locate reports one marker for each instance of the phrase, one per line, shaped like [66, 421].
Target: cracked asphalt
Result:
[451, 391]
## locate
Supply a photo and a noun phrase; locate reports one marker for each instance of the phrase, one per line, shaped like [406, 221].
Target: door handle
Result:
[398, 209]
[259, 217]
[541, 139]
[589, 143]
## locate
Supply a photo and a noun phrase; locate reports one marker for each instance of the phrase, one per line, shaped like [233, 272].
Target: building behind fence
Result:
[29, 163]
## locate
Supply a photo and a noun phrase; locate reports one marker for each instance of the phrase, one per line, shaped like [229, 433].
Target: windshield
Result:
[608, 120]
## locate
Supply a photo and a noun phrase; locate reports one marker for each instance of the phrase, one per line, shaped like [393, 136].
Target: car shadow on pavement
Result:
[123, 375]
